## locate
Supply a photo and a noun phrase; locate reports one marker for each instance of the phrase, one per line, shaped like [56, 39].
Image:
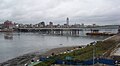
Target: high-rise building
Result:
[8, 24]
[67, 21]
[51, 23]
[82, 25]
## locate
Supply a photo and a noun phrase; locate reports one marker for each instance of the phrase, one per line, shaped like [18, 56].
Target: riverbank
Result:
[102, 49]
[19, 61]
[61, 50]
[26, 58]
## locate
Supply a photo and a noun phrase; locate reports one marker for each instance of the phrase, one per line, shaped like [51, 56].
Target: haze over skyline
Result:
[79, 11]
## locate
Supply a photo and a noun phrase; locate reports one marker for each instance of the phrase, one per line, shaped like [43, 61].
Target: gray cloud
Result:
[79, 11]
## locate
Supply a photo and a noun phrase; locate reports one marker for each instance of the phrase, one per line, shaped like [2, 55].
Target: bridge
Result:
[61, 31]
[52, 28]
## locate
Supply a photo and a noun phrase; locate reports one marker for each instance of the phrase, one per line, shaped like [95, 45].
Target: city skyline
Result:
[78, 11]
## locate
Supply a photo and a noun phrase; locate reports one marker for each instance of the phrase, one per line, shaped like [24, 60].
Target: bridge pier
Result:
[52, 31]
[74, 32]
[59, 31]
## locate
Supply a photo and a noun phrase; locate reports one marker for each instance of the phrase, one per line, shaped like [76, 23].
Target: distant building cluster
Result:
[7, 25]
[10, 25]
[51, 25]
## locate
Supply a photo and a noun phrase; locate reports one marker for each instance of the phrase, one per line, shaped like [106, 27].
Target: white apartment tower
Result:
[67, 20]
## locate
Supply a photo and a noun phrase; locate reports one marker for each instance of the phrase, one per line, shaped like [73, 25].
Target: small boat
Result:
[97, 33]
[60, 44]
[5, 30]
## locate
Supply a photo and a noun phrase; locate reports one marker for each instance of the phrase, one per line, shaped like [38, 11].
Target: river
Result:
[23, 43]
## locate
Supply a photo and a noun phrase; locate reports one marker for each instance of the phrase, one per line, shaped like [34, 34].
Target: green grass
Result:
[46, 63]
[86, 53]
[41, 64]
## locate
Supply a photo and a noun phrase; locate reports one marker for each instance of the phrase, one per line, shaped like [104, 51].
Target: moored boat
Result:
[6, 30]
[101, 34]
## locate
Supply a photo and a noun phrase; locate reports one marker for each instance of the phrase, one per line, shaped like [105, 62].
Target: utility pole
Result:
[94, 52]
[93, 56]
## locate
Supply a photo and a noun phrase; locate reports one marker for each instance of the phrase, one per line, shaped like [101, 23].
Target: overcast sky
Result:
[78, 11]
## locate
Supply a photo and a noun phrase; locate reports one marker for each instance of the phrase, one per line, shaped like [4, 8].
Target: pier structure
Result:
[66, 29]
[60, 31]
[57, 31]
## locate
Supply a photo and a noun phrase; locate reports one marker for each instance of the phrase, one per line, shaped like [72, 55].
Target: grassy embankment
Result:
[102, 49]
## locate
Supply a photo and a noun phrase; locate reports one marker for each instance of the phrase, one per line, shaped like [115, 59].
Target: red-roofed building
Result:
[8, 24]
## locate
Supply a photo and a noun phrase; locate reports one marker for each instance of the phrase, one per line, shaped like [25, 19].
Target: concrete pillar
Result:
[61, 32]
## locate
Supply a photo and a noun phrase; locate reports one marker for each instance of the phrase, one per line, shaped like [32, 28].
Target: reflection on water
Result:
[8, 35]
